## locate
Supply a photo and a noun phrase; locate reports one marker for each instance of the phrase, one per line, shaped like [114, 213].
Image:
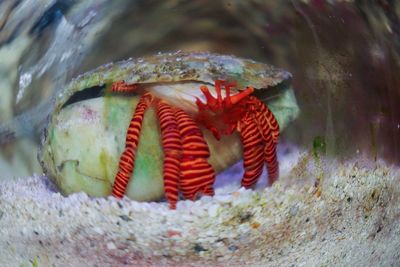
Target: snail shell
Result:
[86, 133]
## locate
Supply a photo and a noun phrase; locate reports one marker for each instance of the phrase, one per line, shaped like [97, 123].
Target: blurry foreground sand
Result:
[352, 219]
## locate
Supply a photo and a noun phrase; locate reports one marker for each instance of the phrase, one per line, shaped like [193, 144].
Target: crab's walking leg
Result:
[198, 176]
[269, 129]
[123, 87]
[172, 146]
[271, 160]
[253, 151]
[266, 119]
[127, 161]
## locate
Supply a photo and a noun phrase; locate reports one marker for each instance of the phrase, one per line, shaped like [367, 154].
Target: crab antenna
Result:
[208, 95]
[236, 98]
[228, 92]
[218, 85]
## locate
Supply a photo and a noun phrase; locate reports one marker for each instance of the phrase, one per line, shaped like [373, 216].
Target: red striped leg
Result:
[253, 151]
[172, 146]
[198, 176]
[123, 87]
[127, 161]
[270, 155]
[271, 160]
[269, 129]
[266, 119]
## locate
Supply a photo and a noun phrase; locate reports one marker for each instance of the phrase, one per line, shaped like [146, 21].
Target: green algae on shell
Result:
[86, 133]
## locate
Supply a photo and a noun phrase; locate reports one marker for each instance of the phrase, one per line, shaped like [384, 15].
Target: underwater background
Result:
[345, 64]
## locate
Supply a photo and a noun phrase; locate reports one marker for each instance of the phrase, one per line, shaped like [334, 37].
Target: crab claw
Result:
[218, 104]
[219, 114]
[242, 95]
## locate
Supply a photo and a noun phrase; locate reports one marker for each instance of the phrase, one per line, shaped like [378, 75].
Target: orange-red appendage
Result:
[197, 175]
[122, 87]
[269, 129]
[257, 125]
[185, 153]
[172, 145]
[253, 151]
[127, 161]
[221, 114]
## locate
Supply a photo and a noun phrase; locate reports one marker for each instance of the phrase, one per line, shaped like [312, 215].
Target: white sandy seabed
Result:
[352, 219]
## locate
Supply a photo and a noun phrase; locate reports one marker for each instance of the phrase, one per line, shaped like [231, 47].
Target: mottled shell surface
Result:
[85, 137]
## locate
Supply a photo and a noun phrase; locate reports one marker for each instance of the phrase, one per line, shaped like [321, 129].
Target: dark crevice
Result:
[100, 91]
[271, 92]
[88, 93]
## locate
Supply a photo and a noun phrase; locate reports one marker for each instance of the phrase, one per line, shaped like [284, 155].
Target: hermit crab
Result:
[165, 125]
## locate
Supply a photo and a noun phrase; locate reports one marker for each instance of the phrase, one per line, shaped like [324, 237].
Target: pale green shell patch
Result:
[87, 141]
